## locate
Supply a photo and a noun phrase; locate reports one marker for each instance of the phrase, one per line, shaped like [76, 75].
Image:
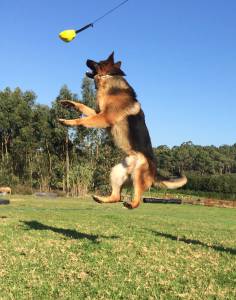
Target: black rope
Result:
[83, 28]
[110, 11]
[103, 16]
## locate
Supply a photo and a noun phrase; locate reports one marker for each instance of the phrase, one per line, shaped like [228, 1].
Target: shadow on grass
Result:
[193, 242]
[70, 233]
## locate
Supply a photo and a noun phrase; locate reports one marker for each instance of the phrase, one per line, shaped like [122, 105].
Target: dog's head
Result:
[104, 67]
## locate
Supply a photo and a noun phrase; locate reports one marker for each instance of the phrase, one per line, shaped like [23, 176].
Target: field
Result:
[78, 249]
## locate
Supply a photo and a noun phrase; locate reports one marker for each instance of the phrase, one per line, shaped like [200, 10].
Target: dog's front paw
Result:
[67, 103]
[63, 122]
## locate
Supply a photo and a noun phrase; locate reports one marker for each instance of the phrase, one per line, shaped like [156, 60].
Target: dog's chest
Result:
[101, 100]
[120, 134]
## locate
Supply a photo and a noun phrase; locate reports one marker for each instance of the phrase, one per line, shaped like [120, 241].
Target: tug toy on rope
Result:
[69, 34]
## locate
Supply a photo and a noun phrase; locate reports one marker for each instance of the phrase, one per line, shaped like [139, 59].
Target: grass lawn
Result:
[78, 249]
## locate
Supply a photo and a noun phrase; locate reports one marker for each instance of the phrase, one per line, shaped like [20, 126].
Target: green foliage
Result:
[208, 168]
[203, 160]
[39, 153]
[214, 183]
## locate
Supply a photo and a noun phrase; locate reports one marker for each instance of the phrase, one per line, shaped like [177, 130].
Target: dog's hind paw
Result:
[131, 204]
[97, 199]
[127, 205]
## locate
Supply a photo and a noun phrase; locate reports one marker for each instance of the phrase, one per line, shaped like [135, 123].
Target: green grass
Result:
[78, 249]
[214, 195]
[186, 194]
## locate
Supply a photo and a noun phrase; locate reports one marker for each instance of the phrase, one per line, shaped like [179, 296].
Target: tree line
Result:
[37, 153]
[208, 168]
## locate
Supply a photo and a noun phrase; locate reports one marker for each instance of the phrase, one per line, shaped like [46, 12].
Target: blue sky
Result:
[180, 57]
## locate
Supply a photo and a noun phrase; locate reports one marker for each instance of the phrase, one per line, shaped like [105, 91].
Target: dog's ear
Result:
[121, 73]
[111, 58]
[118, 71]
[117, 64]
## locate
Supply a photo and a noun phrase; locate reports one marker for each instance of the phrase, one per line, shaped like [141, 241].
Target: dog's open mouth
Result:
[90, 74]
[92, 65]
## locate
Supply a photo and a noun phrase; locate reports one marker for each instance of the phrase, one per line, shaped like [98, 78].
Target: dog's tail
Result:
[175, 183]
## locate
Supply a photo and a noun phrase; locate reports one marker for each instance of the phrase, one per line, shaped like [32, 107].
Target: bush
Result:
[213, 183]
[22, 189]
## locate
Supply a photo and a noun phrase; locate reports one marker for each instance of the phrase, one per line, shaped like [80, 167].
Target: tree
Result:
[63, 136]
[36, 152]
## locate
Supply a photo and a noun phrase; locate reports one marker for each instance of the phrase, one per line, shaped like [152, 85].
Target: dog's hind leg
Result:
[119, 175]
[142, 180]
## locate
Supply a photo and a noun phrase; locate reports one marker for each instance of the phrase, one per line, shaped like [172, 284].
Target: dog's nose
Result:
[91, 64]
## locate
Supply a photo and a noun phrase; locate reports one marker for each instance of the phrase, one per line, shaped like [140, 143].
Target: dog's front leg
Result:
[79, 107]
[97, 121]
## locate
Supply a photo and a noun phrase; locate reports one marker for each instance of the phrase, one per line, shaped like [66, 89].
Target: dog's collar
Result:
[104, 76]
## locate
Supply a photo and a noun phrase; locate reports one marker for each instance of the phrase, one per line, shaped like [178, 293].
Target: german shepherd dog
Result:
[121, 113]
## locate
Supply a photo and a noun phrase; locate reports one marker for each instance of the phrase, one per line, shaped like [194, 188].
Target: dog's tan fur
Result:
[119, 110]
[5, 189]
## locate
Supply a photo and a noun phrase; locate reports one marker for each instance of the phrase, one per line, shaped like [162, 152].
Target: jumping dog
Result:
[120, 112]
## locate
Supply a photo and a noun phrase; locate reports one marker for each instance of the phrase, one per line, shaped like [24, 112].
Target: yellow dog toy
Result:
[68, 35]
